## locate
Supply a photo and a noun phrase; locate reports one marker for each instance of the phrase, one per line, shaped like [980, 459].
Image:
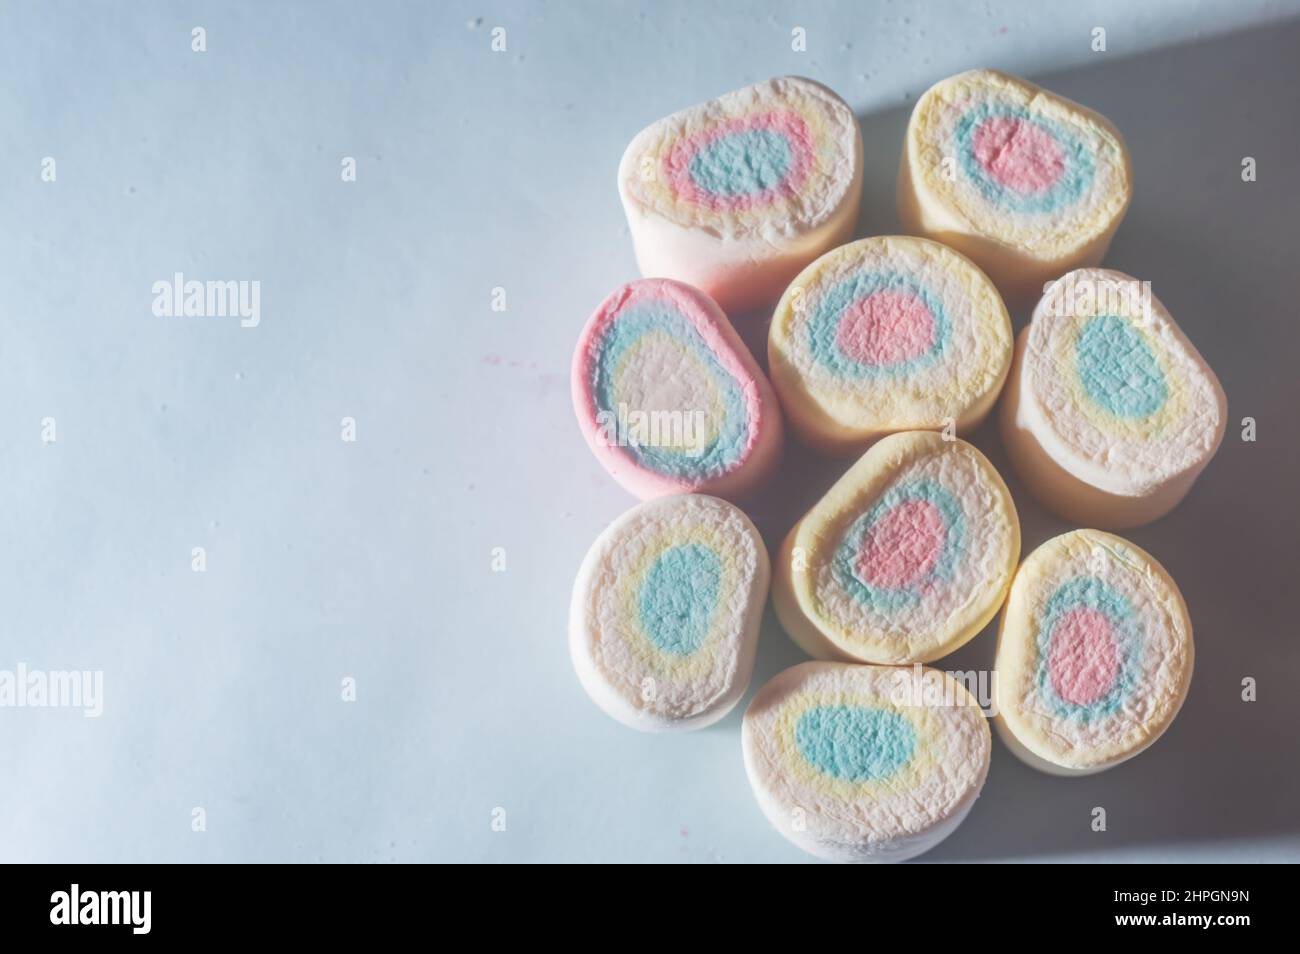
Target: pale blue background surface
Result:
[373, 559]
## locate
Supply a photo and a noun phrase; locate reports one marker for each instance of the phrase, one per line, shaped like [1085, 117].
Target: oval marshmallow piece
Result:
[738, 194]
[669, 398]
[1026, 183]
[1094, 654]
[666, 610]
[884, 335]
[908, 556]
[865, 763]
[1110, 413]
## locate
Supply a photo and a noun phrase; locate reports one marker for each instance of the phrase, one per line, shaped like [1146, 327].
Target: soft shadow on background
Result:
[375, 560]
[1207, 241]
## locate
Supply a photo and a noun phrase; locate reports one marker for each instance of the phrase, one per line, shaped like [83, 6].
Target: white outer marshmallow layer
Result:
[744, 259]
[619, 666]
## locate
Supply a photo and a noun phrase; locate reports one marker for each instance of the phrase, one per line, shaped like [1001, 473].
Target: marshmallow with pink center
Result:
[1094, 655]
[1025, 183]
[907, 557]
[887, 334]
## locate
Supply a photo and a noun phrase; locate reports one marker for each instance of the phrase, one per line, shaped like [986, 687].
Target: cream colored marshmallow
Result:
[1110, 413]
[1025, 183]
[736, 195]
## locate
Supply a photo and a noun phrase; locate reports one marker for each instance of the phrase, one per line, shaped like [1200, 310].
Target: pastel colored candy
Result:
[1094, 654]
[1026, 183]
[865, 763]
[907, 557]
[665, 613]
[736, 195]
[1110, 413]
[887, 334]
[669, 398]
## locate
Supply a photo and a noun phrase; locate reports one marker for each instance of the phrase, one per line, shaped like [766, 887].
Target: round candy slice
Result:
[1110, 413]
[666, 610]
[906, 558]
[884, 335]
[1026, 183]
[736, 195]
[1094, 654]
[670, 399]
[865, 763]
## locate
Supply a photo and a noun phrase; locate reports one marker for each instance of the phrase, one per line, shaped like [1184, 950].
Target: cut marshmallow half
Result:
[736, 195]
[908, 556]
[865, 763]
[665, 613]
[1026, 183]
[669, 398]
[1094, 654]
[884, 335]
[1110, 414]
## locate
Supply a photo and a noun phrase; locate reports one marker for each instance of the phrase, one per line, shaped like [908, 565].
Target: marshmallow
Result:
[670, 399]
[736, 195]
[1026, 183]
[1094, 654]
[665, 613]
[852, 763]
[906, 558]
[1110, 413]
[887, 334]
